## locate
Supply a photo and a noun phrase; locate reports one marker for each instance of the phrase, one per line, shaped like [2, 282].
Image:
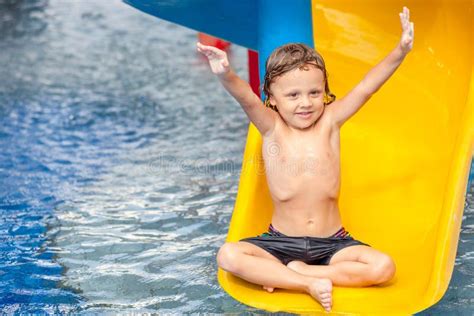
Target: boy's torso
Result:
[303, 175]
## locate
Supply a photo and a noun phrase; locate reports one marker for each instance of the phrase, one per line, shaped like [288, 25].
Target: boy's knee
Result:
[227, 257]
[384, 270]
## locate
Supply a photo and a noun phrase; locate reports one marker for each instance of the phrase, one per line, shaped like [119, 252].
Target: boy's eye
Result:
[314, 92]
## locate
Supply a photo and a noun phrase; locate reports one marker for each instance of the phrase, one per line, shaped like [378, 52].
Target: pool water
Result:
[119, 165]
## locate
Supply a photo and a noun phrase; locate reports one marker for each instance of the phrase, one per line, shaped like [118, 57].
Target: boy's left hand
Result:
[408, 31]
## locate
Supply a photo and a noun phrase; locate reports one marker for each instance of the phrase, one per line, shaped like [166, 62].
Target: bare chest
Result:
[311, 155]
[306, 165]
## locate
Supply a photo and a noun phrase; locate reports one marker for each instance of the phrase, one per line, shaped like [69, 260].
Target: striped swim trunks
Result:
[311, 250]
[340, 233]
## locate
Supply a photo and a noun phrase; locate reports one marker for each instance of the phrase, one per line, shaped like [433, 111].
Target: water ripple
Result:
[129, 155]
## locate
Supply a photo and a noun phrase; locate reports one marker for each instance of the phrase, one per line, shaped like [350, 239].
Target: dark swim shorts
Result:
[311, 250]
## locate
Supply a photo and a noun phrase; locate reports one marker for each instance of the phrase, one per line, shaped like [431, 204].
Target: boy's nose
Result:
[306, 102]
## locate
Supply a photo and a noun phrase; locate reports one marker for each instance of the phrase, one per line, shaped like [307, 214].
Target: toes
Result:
[326, 299]
[322, 291]
[326, 305]
[325, 291]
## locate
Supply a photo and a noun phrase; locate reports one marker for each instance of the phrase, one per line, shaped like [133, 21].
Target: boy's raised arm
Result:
[262, 117]
[346, 107]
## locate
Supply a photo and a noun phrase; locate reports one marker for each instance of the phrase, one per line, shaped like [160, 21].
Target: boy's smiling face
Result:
[298, 95]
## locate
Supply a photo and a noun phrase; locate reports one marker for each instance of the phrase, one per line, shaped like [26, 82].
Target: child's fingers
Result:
[202, 51]
[198, 44]
[405, 15]
[210, 48]
[403, 22]
[216, 51]
[202, 48]
[206, 52]
[407, 26]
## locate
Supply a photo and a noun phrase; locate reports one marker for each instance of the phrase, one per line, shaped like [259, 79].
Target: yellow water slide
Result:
[405, 155]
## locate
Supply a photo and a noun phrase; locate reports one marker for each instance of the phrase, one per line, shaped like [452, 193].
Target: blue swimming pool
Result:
[120, 164]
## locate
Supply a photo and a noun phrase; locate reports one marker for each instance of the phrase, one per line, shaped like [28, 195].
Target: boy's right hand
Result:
[217, 58]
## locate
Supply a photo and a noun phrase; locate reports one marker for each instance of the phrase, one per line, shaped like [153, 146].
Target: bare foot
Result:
[321, 290]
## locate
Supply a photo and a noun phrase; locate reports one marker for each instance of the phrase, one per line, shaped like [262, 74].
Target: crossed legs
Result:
[256, 265]
[352, 266]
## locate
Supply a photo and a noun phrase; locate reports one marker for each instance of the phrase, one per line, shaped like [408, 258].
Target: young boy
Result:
[306, 247]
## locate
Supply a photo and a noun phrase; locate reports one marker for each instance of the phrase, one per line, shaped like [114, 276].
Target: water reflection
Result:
[19, 18]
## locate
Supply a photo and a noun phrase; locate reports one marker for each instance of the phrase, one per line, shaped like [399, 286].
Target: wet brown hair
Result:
[291, 56]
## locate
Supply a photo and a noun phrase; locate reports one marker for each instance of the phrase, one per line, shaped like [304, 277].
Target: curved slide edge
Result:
[453, 206]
